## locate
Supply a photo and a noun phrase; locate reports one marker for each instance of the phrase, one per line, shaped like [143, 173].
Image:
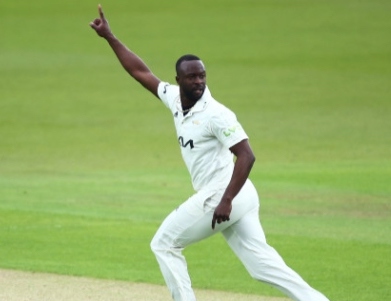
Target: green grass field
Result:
[89, 164]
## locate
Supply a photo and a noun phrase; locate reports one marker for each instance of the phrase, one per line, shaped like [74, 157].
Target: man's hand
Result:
[222, 212]
[100, 25]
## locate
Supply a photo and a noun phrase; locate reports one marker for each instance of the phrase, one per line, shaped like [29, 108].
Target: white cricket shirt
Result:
[205, 135]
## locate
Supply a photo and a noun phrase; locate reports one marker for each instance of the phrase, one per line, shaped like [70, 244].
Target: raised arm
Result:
[133, 64]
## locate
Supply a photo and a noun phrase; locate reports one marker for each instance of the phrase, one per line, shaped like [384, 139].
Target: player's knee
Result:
[154, 244]
[163, 244]
[158, 244]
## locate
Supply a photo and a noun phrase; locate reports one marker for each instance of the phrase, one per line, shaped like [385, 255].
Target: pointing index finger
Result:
[102, 16]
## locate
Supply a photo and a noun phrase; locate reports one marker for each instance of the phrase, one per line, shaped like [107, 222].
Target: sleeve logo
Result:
[165, 88]
[231, 130]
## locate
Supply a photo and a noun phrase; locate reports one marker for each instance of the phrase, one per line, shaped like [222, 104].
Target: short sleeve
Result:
[227, 128]
[168, 93]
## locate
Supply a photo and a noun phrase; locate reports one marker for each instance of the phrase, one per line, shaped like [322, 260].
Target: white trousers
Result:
[191, 222]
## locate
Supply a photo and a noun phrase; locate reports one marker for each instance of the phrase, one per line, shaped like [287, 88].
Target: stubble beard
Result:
[193, 94]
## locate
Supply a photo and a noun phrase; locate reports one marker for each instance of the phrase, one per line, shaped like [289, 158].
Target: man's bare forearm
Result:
[243, 165]
[131, 62]
[242, 169]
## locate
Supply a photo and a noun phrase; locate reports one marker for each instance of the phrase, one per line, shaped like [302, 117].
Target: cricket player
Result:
[225, 200]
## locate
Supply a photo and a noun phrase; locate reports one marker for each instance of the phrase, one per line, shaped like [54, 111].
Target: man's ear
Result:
[177, 79]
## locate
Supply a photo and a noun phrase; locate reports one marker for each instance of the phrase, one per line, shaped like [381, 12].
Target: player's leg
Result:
[189, 223]
[247, 239]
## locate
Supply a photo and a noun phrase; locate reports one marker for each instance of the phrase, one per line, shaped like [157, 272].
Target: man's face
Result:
[191, 79]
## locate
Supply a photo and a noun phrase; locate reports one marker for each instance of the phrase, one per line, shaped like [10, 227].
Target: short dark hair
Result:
[186, 57]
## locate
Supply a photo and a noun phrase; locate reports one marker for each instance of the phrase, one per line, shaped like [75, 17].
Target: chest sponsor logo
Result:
[185, 144]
